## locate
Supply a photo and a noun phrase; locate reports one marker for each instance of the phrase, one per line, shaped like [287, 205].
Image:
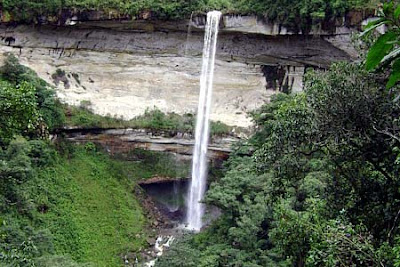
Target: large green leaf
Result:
[395, 75]
[380, 49]
[397, 12]
[372, 25]
[391, 56]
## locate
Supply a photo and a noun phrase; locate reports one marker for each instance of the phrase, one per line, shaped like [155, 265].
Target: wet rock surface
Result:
[158, 225]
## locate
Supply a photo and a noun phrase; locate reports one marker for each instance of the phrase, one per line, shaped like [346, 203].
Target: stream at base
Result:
[169, 202]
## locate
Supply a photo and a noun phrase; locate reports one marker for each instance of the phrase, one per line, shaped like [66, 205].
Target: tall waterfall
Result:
[199, 167]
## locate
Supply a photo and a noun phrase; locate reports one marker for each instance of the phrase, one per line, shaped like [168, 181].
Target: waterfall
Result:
[174, 206]
[199, 168]
[188, 35]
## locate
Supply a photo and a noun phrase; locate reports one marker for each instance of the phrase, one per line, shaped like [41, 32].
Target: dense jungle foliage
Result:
[292, 13]
[321, 186]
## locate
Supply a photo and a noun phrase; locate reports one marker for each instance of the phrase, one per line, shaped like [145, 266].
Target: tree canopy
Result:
[321, 186]
[297, 15]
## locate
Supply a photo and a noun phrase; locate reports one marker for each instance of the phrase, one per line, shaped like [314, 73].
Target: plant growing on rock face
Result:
[59, 76]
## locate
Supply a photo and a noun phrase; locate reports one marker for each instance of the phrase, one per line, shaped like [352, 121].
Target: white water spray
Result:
[199, 167]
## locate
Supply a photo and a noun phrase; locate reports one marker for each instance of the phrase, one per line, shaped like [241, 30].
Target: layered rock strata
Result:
[122, 141]
[122, 68]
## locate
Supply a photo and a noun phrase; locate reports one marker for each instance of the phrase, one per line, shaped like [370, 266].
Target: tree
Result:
[19, 109]
[320, 186]
[50, 109]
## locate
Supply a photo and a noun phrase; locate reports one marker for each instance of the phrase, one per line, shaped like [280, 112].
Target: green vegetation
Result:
[321, 184]
[19, 109]
[154, 120]
[79, 206]
[385, 51]
[94, 198]
[292, 13]
[27, 102]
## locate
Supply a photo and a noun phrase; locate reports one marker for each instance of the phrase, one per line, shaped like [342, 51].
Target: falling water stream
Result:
[197, 188]
[199, 168]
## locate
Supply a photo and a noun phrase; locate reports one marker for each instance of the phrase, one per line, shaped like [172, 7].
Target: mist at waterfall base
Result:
[198, 184]
[170, 198]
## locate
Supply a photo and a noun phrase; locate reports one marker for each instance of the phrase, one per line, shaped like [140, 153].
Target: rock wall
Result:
[122, 141]
[122, 68]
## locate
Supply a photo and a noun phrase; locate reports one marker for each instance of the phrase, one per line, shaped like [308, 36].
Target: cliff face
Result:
[124, 67]
[123, 141]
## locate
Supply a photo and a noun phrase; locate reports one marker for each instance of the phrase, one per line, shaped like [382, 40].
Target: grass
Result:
[92, 212]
